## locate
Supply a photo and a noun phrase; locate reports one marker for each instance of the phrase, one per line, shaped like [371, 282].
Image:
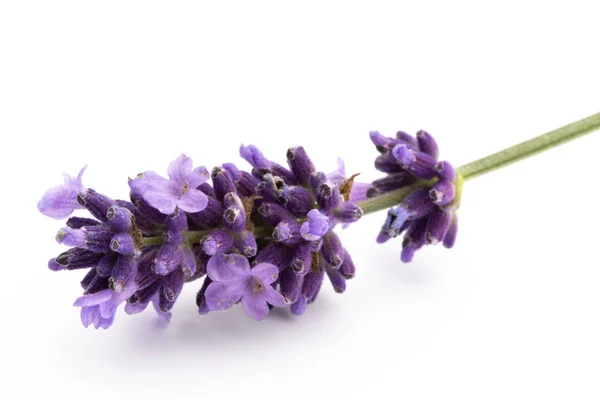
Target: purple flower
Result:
[233, 280]
[428, 214]
[60, 201]
[316, 227]
[179, 191]
[99, 308]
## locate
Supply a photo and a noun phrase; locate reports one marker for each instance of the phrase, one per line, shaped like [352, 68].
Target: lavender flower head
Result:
[428, 214]
[265, 237]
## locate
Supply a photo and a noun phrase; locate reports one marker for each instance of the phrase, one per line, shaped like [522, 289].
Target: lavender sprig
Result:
[263, 238]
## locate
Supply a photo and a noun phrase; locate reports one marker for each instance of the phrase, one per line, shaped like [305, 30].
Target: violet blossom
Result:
[179, 191]
[60, 201]
[233, 280]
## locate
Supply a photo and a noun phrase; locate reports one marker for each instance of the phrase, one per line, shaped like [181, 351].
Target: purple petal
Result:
[60, 201]
[273, 297]
[378, 139]
[254, 156]
[265, 273]
[107, 309]
[316, 226]
[193, 201]
[71, 237]
[87, 315]
[339, 174]
[223, 295]
[359, 191]
[54, 266]
[299, 306]
[255, 306]
[165, 316]
[146, 181]
[134, 308]
[179, 169]
[105, 323]
[228, 267]
[163, 201]
[197, 177]
[93, 299]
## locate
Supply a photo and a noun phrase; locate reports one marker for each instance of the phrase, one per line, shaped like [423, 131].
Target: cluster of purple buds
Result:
[428, 214]
[262, 238]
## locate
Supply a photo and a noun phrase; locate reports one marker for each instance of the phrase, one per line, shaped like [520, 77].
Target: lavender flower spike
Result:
[60, 201]
[233, 280]
[426, 216]
[179, 191]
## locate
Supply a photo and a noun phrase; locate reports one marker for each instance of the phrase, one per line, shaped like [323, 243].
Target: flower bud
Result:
[245, 242]
[70, 237]
[312, 284]
[218, 241]
[173, 284]
[348, 213]
[123, 273]
[417, 163]
[300, 164]
[427, 144]
[177, 222]
[287, 232]
[167, 258]
[222, 182]
[347, 269]
[77, 258]
[290, 285]
[302, 258]
[188, 262]
[210, 217]
[120, 219]
[438, 224]
[332, 251]
[123, 243]
[442, 193]
[299, 307]
[337, 279]
[97, 238]
[78, 222]
[96, 203]
[273, 213]
[445, 171]
[328, 196]
[54, 266]
[297, 200]
[106, 264]
[274, 253]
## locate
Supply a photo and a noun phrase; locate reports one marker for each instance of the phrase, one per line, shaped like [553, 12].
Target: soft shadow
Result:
[217, 335]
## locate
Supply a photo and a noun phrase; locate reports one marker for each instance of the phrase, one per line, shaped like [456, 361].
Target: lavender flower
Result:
[59, 202]
[234, 281]
[180, 190]
[428, 214]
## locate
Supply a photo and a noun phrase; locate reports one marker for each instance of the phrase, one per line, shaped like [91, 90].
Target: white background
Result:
[511, 312]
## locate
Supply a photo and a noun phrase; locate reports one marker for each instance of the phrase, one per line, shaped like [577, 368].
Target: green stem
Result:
[495, 161]
[530, 147]
[196, 236]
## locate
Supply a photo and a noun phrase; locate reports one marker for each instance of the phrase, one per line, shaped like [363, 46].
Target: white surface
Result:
[511, 312]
